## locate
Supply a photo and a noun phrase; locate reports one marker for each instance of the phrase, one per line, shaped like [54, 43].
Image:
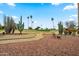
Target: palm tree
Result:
[32, 24]
[31, 16]
[31, 19]
[28, 21]
[52, 19]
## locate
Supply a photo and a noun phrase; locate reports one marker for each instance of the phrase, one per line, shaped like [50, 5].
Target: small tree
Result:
[30, 28]
[60, 28]
[71, 26]
[37, 28]
[20, 25]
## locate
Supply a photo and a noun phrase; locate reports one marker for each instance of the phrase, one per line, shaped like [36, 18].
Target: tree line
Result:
[10, 26]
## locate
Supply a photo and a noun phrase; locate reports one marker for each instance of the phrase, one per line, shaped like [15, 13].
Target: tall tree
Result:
[31, 16]
[28, 21]
[31, 19]
[71, 24]
[32, 23]
[52, 19]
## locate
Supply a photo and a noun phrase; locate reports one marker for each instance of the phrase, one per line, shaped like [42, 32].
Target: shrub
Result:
[74, 32]
[3, 33]
[37, 28]
[30, 28]
[54, 35]
[65, 31]
[47, 29]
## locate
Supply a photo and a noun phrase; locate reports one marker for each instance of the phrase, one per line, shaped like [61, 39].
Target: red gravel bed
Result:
[47, 46]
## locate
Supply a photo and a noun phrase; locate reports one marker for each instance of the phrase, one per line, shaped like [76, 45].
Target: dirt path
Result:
[37, 37]
[46, 46]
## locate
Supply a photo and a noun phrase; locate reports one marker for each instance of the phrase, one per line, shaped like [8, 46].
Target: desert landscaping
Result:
[47, 45]
[23, 36]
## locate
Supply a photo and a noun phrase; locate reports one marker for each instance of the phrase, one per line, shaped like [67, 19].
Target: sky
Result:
[41, 12]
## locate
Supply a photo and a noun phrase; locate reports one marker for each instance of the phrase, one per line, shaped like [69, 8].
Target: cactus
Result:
[60, 28]
[9, 24]
[20, 25]
[13, 25]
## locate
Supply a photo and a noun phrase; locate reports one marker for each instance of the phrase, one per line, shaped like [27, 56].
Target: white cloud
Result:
[71, 6]
[1, 12]
[53, 3]
[15, 17]
[11, 4]
[71, 19]
[75, 15]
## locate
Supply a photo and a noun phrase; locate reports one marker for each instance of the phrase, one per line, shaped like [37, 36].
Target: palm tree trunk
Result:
[28, 23]
[53, 24]
[31, 23]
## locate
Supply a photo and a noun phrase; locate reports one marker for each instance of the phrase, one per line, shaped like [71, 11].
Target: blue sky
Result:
[41, 12]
